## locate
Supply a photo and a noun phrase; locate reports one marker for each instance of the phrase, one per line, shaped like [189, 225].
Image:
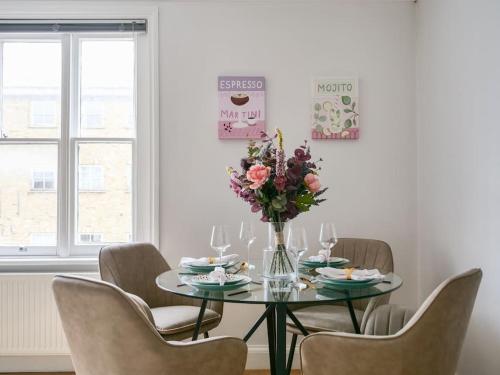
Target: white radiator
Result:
[29, 321]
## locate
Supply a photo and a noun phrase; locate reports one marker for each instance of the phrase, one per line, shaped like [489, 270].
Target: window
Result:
[89, 238]
[90, 178]
[44, 114]
[43, 239]
[44, 180]
[92, 111]
[68, 126]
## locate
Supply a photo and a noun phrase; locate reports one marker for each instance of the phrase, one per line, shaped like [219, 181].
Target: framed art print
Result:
[335, 108]
[242, 107]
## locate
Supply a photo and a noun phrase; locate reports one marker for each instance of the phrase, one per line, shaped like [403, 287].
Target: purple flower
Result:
[301, 155]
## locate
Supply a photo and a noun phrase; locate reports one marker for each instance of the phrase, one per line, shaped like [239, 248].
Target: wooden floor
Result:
[248, 372]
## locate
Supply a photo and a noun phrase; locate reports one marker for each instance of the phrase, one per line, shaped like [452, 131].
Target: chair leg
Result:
[205, 334]
[290, 355]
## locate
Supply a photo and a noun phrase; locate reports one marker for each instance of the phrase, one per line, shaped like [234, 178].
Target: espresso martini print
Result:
[242, 102]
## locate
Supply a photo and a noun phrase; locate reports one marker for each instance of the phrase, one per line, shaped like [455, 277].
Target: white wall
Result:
[459, 159]
[372, 181]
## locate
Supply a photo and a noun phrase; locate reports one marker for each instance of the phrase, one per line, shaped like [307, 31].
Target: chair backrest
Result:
[435, 334]
[134, 268]
[366, 253]
[107, 332]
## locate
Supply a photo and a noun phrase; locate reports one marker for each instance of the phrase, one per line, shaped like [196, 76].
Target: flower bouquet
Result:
[280, 189]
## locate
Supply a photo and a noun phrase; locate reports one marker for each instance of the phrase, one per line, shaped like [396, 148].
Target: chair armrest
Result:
[387, 320]
[217, 355]
[353, 354]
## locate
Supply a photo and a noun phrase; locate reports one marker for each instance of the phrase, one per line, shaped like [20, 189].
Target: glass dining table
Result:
[277, 297]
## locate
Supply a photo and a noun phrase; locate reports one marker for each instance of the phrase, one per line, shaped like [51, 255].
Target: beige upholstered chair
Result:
[110, 333]
[134, 268]
[430, 343]
[363, 253]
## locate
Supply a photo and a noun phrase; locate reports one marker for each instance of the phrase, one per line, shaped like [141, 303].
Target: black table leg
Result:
[200, 319]
[258, 323]
[271, 338]
[281, 339]
[353, 317]
[290, 355]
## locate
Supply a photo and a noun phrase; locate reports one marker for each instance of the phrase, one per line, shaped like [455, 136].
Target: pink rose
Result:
[312, 182]
[258, 174]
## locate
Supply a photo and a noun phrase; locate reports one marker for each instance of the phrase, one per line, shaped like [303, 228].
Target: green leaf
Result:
[319, 128]
[348, 123]
[338, 112]
[317, 106]
[316, 116]
[353, 105]
[354, 121]
[306, 199]
[347, 111]
[346, 100]
[322, 118]
[302, 208]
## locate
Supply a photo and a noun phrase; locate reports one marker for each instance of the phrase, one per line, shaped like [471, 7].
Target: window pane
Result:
[107, 88]
[31, 89]
[28, 194]
[104, 195]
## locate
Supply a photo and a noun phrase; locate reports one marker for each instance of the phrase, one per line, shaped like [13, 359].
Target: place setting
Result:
[348, 278]
[221, 273]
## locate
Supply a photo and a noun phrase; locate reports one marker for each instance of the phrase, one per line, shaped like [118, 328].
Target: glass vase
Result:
[277, 263]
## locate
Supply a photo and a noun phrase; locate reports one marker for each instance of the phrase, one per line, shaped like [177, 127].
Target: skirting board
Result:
[258, 358]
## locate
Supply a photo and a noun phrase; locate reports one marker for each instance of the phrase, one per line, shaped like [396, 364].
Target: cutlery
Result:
[240, 292]
[308, 283]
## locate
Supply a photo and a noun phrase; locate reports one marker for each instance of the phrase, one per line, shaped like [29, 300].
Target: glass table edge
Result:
[317, 301]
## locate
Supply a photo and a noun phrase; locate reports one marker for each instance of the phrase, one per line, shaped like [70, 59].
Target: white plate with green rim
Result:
[216, 287]
[209, 267]
[334, 262]
[207, 280]
[344, 283]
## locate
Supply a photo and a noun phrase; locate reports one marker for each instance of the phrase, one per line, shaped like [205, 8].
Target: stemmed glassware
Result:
[297, 245]
[220, 239]
[247, 236]
[328, 239]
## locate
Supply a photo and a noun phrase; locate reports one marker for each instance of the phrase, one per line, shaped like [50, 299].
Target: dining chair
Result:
[134, 268]
[363, 253]
[110, 333]
[430, 343]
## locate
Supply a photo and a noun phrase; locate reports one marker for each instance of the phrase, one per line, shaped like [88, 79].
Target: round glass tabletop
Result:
[264, 291]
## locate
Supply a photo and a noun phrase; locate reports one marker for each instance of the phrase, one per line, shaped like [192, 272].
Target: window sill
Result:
[48, 264]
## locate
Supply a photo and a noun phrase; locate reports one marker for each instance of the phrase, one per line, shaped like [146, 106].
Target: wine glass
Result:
[327, 239]
[297, 245]
[247, 236]
[220, 239]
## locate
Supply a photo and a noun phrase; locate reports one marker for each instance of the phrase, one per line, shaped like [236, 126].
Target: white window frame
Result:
[145, 145]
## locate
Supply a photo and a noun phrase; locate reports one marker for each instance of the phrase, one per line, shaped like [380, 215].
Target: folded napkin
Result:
[218, 274]
[321, 257]
[206, 261]
[339, 274]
